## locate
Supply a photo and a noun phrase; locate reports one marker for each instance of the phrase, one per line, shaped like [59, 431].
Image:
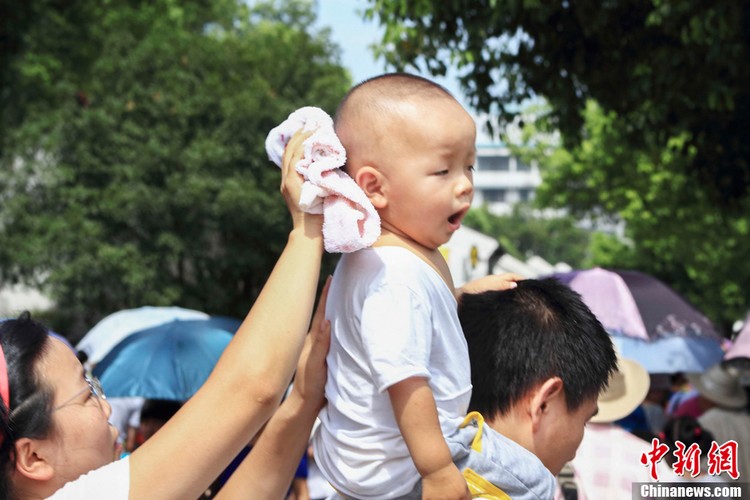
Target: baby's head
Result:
[411, 147]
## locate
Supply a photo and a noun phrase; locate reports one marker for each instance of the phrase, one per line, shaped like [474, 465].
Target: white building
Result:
[467, 254]
[501, 180]
[471, 255]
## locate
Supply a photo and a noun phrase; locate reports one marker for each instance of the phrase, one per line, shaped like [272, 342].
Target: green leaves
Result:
[144, 179]
[673, 228]
[524, 233]
[665, 68]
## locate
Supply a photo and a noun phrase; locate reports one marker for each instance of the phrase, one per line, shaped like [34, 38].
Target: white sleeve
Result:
[111, 481]
[396, 334]
[135, 415]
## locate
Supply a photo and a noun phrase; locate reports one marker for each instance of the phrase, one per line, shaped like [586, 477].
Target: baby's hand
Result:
[445, 484]
[504, 281]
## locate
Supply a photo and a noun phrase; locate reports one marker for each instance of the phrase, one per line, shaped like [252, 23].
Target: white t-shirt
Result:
[608, 462]
[392, 317]
[111, 482]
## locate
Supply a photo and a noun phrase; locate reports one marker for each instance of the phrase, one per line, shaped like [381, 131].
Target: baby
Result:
[399, 377]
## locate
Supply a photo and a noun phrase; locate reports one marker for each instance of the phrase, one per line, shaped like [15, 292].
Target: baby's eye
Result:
[471, 168]
[442, 172]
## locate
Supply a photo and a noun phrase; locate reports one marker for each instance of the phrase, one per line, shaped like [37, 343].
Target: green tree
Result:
[674, 230]
[666, 68]
[524, 232]
[139, 175]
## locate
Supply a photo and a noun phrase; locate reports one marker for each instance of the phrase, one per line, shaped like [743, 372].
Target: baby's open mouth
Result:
[457, 217]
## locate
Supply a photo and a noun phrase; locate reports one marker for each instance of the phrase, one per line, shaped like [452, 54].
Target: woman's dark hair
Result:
[687, 430]
[23, 342]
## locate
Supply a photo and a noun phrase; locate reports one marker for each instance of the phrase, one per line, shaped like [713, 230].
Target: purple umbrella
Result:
[648, 321]
[741, 346]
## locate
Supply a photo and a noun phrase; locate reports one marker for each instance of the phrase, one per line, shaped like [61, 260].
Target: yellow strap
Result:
[476, 444]
[479, 487]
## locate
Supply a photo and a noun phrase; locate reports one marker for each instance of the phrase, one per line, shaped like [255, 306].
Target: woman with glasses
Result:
[55, 438]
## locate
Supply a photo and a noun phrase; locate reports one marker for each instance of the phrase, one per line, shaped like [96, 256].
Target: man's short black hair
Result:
[521, 337]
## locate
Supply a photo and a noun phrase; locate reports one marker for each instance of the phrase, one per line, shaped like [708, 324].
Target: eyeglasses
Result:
[94, 386]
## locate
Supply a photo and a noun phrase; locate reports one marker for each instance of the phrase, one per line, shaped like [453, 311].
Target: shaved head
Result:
[373, 109]
[378, 94]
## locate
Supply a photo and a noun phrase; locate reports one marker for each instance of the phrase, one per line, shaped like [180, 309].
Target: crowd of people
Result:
[503, 388]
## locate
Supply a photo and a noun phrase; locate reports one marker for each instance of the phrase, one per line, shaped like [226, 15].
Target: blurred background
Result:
[133, 173]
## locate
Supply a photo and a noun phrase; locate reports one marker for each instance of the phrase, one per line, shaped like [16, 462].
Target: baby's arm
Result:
[417, 417]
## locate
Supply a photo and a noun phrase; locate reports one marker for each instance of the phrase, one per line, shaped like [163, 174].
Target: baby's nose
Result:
[464, 187]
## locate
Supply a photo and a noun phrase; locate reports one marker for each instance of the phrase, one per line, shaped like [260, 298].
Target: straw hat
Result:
[720, 385]
[626, 390]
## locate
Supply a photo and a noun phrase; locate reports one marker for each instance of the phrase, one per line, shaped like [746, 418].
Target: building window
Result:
[501, 163]
[522, 167]
[525, 194]
[494, 195]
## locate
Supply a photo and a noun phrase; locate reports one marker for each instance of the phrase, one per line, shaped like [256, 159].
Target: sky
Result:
[354, 35]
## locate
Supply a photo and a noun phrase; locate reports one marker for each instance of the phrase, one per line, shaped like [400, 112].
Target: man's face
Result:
[558, 441]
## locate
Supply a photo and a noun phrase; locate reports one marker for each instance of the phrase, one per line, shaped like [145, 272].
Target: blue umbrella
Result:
[672, 354]
[169, 361]
[116, 327]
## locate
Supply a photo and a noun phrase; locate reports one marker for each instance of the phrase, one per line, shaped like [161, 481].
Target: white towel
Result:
[350, 222]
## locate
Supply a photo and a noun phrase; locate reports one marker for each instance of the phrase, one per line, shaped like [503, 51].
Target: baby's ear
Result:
[370, 180]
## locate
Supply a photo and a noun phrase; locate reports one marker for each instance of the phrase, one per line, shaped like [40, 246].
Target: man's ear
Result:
[30, 462]
[543, 400]
[370, 180]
